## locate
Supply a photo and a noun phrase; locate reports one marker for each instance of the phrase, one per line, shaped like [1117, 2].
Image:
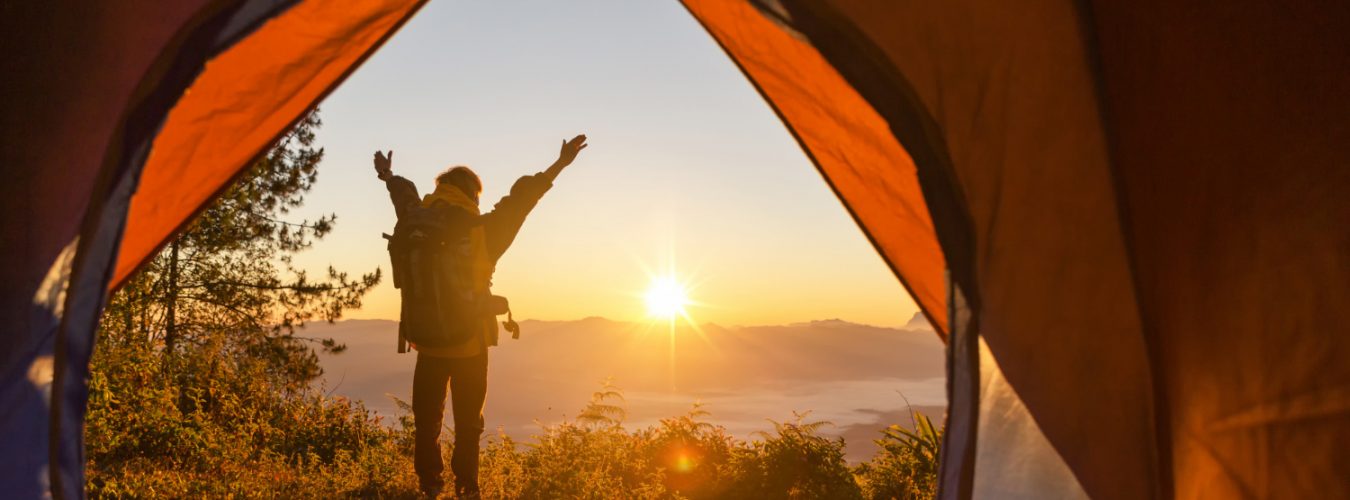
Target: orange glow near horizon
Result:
[667, 301]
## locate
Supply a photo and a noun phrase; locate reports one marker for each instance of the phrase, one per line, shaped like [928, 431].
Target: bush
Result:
[794, 462]
[693, 457]
[148, 437]
[907, 464]
[147, 440]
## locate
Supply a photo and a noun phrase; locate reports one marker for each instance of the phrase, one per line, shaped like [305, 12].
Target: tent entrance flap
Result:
[1022, 202]
[851, 145]
[123, 145]
[241, 103]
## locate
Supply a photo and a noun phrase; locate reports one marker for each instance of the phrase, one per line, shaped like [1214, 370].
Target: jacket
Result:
[500, 227]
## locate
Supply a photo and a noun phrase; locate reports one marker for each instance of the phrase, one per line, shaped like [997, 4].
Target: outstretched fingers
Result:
[383, 164]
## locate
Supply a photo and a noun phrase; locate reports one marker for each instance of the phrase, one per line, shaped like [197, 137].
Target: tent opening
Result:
[692, 258]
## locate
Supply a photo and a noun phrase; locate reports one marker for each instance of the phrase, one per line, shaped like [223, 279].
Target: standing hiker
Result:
[444, 252]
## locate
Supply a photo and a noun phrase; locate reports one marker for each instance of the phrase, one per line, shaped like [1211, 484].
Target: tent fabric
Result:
[78, 107]
[1029, 156]
[1014, 460]
[1021, 126]
[58, 131]
[846, 139]
[1156, 251]
[1231, 139]
[88, 89]
[244, 100]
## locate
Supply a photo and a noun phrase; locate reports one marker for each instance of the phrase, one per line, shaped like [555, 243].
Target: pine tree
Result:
[225, 293]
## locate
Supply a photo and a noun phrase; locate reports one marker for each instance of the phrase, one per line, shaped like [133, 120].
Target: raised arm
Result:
[505, 219]
[566, 155]
[402, 192]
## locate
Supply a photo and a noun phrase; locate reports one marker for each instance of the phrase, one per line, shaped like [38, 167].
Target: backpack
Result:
[439, 304]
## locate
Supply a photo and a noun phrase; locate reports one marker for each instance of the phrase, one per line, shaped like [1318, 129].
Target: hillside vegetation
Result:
[251, 441]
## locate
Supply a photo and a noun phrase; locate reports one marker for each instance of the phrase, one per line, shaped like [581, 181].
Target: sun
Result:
[666, 298]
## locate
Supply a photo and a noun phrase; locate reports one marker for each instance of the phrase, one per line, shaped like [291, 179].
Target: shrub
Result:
[795, 461]
[906, 465]
[147, 441]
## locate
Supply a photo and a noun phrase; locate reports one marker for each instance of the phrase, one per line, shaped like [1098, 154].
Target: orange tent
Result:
[1126, 218]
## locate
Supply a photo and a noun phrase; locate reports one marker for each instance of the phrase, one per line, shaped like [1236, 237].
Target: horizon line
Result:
[904, 327]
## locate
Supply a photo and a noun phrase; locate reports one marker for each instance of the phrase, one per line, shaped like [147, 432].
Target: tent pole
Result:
[956, 473]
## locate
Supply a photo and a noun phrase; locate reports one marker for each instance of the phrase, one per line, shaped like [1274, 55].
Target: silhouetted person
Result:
[475, 242]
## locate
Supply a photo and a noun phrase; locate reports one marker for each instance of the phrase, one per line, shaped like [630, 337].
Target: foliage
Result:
[906, 465]
[324, 447]
[141, 442]
[795, 462]
[225, 288]
[694, 455]
[686, 457]
[199, 385]
[603, 411]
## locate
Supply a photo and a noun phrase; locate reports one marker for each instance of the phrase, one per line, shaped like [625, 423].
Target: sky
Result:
[688, 172]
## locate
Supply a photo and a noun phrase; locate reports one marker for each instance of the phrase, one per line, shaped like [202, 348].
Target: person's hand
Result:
[384, 165]
[570, 149]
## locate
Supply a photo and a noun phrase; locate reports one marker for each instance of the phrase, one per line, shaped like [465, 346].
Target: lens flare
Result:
[683, 463]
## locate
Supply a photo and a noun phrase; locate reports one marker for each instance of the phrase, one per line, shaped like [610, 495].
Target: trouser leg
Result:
[428, 401]
[468, 391]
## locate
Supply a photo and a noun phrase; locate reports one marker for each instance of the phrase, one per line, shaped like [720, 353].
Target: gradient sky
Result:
[688, 167]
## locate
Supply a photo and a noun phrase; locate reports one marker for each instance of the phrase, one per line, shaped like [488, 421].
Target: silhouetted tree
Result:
[225, 292]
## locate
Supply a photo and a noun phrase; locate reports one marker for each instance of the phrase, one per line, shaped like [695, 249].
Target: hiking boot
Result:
[432, 492]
